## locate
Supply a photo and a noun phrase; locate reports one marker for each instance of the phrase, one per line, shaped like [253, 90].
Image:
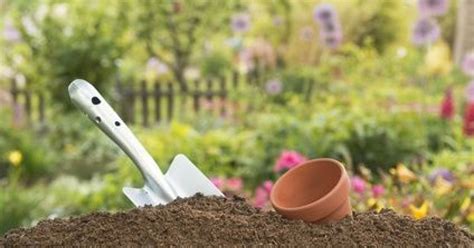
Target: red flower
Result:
[469, 120]
[447, 105]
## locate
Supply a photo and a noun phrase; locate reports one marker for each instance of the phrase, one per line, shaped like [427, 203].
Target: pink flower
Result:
[447, 105]
[378, 190]
[470, 92]
[234, 184]
[468, 64]
[218, 182]
[262, 194]
[288, 160]
[358, 184]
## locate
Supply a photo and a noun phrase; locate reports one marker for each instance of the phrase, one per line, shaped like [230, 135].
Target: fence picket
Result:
[223, 95]
[28, 105]
[157, 96]
[170, 97]
[215, 91]
[130, 105]
[144, 98]
[235, 79]
[196, 95]
[41, 108]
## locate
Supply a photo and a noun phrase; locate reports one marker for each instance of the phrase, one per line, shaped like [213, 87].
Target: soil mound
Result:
[215, 221]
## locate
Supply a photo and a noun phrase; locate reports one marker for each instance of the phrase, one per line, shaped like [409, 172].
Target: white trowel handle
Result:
[91, 102]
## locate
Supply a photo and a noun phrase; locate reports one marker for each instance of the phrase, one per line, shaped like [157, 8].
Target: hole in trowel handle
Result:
[95, 100]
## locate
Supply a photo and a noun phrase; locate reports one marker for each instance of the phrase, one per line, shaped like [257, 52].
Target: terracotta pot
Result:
[315, 191]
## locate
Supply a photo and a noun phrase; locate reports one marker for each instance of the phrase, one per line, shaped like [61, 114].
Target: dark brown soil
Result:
[204, 221]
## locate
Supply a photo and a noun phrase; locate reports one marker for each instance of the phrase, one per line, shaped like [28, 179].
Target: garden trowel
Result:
[183, 178]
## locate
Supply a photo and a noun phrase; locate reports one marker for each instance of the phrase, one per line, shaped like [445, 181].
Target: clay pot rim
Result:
[337, 187]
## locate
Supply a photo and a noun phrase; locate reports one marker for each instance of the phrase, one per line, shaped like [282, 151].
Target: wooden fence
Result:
[145, 104]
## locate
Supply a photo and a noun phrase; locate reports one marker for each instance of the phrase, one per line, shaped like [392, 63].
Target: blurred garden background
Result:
[246, 89]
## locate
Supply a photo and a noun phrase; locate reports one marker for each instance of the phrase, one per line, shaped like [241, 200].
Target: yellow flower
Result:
[403, 173]
[465, 204]
[419, 212]
[470, 217]
[374, 204]
[15, 157]
[438, 59]
[180, 130]
[442, 186]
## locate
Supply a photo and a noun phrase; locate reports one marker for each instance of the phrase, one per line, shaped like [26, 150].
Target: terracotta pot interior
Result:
[306, 184]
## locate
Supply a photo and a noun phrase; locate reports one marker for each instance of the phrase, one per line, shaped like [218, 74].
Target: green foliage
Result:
[18, 206]
[215, 65]
[36, 161]
[65, 41]
[83, 149]
[380, 24]
[379, 145]
[175, 30]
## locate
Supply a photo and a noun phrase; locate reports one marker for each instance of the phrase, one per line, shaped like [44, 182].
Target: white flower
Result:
[41, 12]
[60, 10]
[30, 26]
[20, 81]
[192, 73]
[401, 52]
[156, 66]
[6, 72]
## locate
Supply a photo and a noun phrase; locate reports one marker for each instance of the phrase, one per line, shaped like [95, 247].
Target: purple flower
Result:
[441, 173]
[470, 92]
[378, 190]
[468, 64]
[433, 7]
[10, 33]
[324, 13]
[358, 184]
[240, 22]
[273, 87]
[288, 160]
[425, 31]
[330, 31]
[306, 33]
[330, 27]
[331, 40]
